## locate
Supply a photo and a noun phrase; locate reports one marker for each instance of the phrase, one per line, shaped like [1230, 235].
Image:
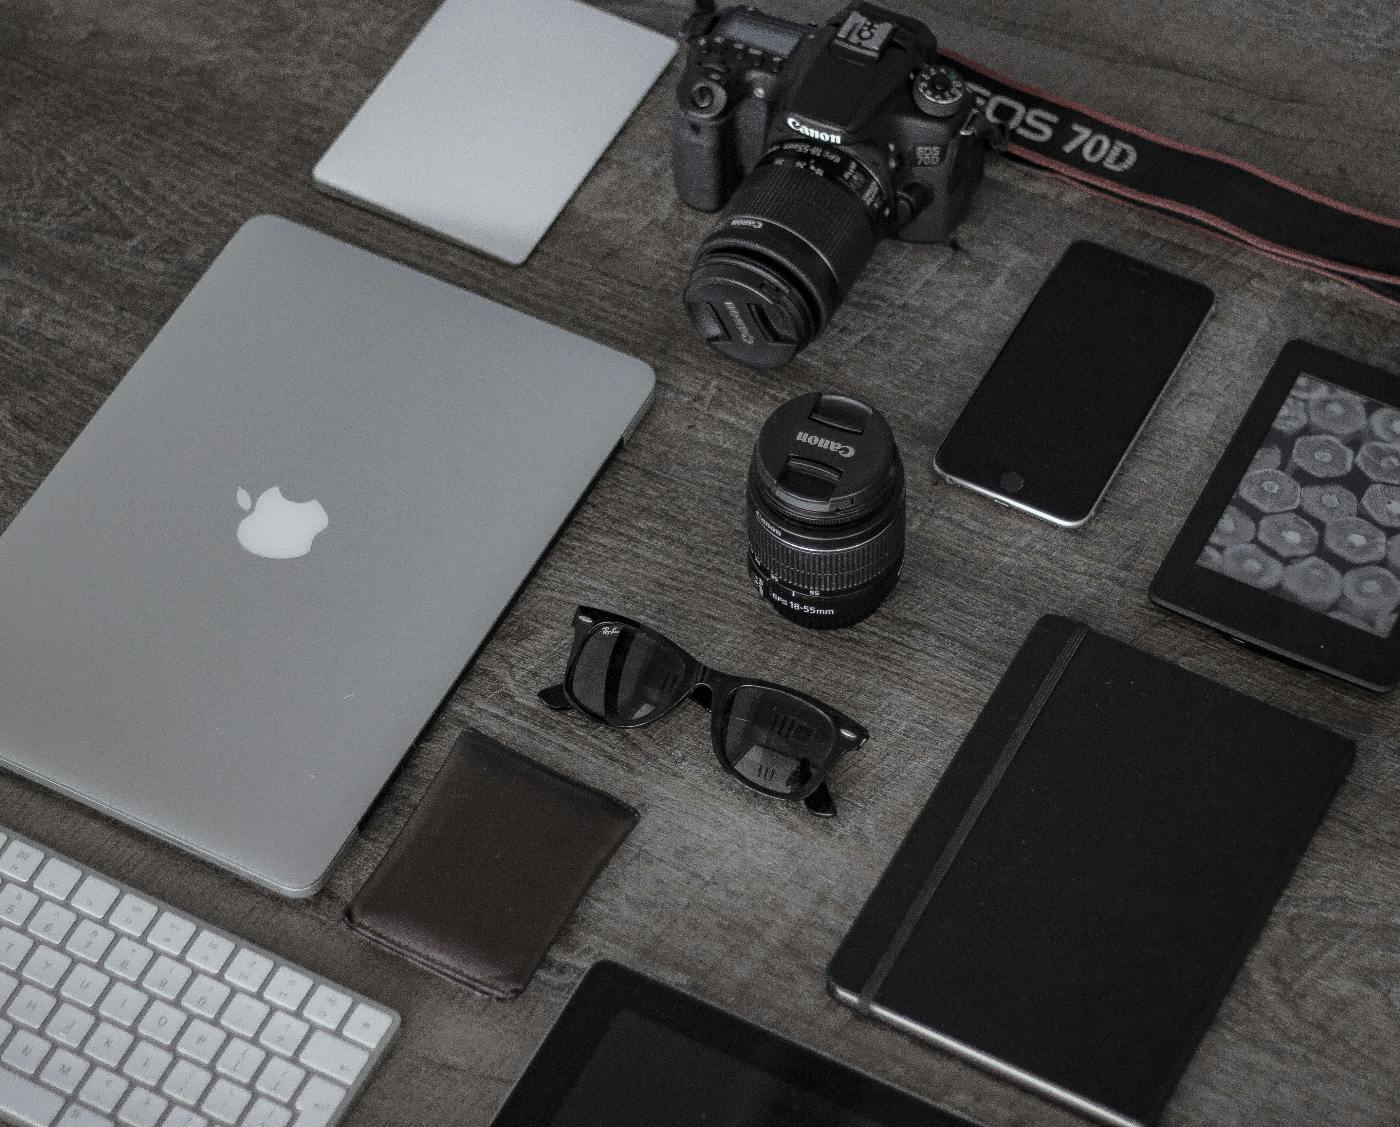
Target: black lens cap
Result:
[826, 457]
[748, 310]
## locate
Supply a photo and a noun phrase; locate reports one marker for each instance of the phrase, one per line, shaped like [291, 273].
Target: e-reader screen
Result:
[1315, 520]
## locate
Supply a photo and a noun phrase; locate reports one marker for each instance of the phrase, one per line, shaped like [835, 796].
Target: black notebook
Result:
[1073, 902]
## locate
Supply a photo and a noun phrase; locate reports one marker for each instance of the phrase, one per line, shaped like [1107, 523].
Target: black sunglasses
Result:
[777, 741]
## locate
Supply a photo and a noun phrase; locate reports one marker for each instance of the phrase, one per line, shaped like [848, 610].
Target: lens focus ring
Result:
[823, 214]
[828, 569]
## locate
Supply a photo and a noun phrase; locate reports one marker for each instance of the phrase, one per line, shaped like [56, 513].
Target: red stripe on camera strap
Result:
[1208, 190]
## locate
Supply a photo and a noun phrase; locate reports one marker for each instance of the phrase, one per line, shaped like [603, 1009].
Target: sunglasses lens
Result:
[779, 743]
[625, 676]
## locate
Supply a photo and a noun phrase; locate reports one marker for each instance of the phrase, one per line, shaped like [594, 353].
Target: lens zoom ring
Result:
[827, 570]
[824, 213]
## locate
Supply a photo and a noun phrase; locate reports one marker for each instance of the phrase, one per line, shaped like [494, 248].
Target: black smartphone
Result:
[1058, 410]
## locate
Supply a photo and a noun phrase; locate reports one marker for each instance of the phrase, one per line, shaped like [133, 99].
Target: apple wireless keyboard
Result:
[118, 1009]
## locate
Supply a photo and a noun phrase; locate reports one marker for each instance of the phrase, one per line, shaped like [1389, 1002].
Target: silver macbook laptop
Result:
[492, 117]
[241, 593]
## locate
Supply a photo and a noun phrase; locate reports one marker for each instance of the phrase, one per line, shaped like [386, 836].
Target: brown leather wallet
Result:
[489, 867]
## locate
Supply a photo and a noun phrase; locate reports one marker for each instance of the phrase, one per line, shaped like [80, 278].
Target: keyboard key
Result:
[280, 1079]
[46, 967]
[249, 970]
[284, 1033]
[129, 960]
[210, 952]
[108, 1044]
[240, 1061]
[19, 860]
[187, 1083]
[90, 941]
[205, 996]
[132, 915]
[161, 1024]
[244, 1015]
[147, 1064]
[57, 879]
[367, 1025]
[16, 905]
[288, 988]
[24, 1102]
[8, 984]
[103, 1090]
[184, 1117]
[94, 897]
[122, 1004]
[171, 934]
[69, 1025]
[142, 1108]
[84, 985]
[265, 1113]
[333, 1057]
[25, 1052]
[225, 1102]
[327, 1007]
[200, 1042]
[30, 1007]
[79, 1116]
[318, 1100]
[167, 978]
[51, 923]
[13, 948]
[65, 1071]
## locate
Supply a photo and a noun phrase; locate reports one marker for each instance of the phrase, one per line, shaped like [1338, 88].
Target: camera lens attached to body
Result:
[789, 245]
[825, 510]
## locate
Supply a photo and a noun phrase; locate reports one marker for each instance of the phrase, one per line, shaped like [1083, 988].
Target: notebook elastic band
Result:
[969, 820]
[1208, 190]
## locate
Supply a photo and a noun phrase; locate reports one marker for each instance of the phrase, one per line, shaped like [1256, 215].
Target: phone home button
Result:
[1012, 482]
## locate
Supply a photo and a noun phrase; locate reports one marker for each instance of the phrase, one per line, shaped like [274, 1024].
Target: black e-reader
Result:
[1294, 546]
[629, 1051]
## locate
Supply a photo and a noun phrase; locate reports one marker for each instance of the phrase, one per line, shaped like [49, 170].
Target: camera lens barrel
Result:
[826, 510]
[785, 252]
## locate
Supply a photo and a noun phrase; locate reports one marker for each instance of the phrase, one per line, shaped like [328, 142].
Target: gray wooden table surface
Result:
[135, 136]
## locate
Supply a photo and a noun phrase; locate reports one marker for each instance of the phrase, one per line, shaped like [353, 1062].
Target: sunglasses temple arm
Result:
[555, 698]
[820, 802]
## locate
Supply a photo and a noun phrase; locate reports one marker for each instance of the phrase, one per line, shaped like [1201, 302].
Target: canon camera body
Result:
[817, 141]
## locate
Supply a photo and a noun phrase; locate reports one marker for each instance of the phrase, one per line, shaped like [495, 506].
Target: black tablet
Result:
[631, 1052]
[1295, 544]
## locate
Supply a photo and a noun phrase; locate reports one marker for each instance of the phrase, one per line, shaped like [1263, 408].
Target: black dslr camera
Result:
[817, 141]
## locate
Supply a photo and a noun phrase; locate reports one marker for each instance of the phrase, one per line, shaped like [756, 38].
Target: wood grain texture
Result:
[136, 137]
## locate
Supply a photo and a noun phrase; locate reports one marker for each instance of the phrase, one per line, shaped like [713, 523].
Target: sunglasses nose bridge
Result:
[703, 695]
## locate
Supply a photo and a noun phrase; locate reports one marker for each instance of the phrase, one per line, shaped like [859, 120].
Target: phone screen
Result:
[1060, 406]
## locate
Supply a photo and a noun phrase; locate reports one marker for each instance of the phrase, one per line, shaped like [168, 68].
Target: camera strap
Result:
[1191, 185]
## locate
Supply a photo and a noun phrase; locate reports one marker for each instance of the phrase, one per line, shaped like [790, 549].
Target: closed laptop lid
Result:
[492, 117]
[239, 596]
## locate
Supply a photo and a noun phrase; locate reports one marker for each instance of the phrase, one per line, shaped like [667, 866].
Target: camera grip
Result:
[698, 159]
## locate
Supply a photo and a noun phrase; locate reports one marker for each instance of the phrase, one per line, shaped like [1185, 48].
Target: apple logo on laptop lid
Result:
[276, 528]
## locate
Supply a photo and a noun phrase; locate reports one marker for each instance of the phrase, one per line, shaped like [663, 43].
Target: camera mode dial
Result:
[939, 91]
[707, 98]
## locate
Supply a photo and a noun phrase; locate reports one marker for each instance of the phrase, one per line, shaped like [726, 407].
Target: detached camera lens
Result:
[825, 510]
